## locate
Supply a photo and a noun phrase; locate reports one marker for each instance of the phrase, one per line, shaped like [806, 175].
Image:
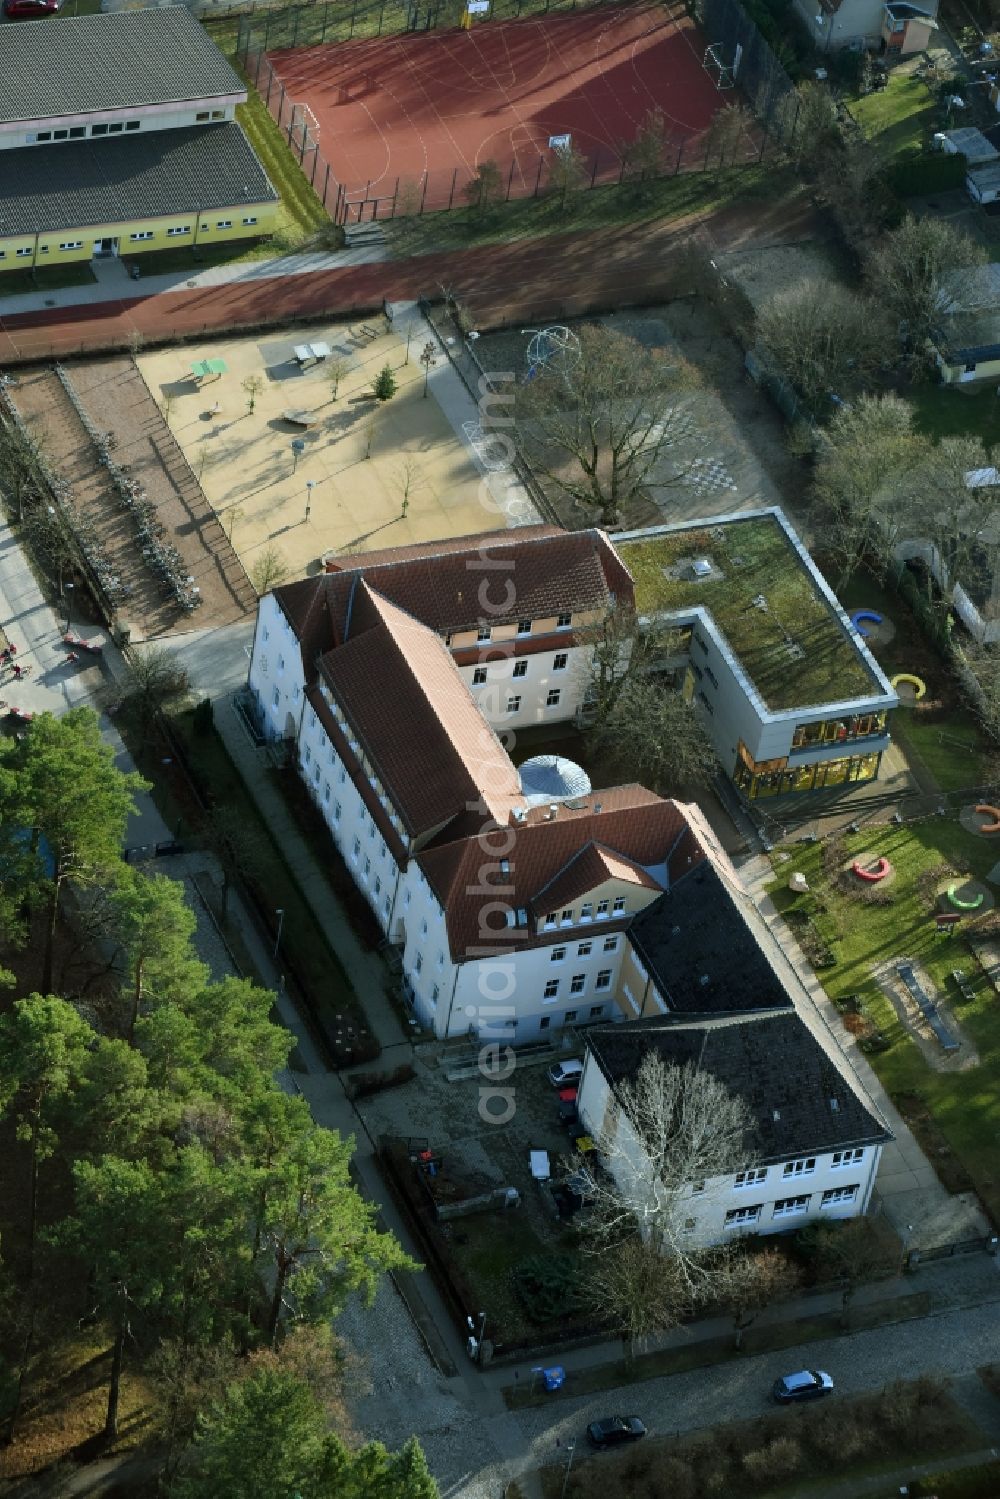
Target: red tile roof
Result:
[634, 824]
[415, 719]
[454, 585]
[592, 866]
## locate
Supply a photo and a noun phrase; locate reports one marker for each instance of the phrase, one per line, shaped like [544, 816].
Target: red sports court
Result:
[428, 108]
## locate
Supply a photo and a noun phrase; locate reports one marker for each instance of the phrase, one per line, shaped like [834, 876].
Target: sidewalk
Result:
[114, 284]
[365, 970]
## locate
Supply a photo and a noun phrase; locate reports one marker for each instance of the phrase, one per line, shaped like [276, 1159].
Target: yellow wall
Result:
[49, 253]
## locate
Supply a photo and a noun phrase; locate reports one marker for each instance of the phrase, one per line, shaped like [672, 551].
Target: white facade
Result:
[107, 124]
[276, 677]
[515, 691]
[771, 1198]
[522, 994]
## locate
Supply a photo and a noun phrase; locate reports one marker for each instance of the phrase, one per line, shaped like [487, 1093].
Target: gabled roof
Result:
[545, 572]
[109, 62]
[53, 189]
[592, 866]
[634, 823]
[801, 1101]
[702, 943]
[415, 718]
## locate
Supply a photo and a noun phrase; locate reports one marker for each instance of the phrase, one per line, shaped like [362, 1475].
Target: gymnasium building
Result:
[118, 135]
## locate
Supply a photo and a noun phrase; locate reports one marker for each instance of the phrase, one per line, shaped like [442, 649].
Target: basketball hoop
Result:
[556, 348]
[722, 74]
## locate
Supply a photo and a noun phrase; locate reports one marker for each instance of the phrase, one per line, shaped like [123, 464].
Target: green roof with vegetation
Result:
[778, 624]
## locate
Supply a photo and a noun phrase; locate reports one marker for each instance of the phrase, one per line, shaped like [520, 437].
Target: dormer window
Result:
[603, 907]
[564, 621]
[619, 906]
[587, 911]
[550, 919]
[524, 627]
[484, 633]
[567, 917]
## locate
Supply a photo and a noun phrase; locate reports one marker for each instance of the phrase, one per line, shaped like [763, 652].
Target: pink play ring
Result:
[985, 810]
[876, 872]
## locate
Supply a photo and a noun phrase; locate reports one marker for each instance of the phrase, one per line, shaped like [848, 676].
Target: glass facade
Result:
[777, 778]
[837, 730]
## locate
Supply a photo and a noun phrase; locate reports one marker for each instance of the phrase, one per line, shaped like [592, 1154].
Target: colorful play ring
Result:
[877, 872]
[965, 905]
[865, 614]
[917, 683]
[987, 811]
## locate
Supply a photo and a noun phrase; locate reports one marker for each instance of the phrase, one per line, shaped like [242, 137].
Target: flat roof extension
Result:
[772, 609]
[47, 189]
[88, 63]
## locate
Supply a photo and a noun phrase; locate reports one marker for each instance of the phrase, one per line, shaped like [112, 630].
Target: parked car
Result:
[615, 1429]
[808, 1384]
[17, 10]
[569, 1115]
[565, 1073]
[568, 1095]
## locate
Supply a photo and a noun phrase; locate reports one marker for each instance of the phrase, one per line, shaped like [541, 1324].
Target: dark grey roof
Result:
[970, 337]
[699, 945]
[54, 188]
[85, 63]
[800, 1101]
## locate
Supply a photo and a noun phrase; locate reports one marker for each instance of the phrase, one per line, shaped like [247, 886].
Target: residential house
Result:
[118, 135]
[892, 27]
[815, 1139]
[982, 182]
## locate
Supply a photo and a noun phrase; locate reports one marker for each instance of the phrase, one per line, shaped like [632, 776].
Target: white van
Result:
[564, 1073]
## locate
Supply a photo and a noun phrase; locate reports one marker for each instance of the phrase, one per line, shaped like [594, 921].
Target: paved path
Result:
[554, 277]
[114, 284]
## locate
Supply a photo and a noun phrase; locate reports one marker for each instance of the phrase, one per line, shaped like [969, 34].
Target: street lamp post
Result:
[570, 1450]
[310, 485]
[281, 921]
[476, 1337]
[69, 600]
[298, 448]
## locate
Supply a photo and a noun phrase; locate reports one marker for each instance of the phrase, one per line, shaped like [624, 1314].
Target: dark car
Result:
[615, 1429]
[23, 9]
[808, 1384]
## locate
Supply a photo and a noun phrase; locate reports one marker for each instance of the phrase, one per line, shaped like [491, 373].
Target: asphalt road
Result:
[474, 1446]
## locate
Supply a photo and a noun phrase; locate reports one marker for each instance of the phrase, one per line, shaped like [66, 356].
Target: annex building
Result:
[118, 135]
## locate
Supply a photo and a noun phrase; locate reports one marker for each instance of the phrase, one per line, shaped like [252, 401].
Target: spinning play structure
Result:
[868, 615]
[917, 683]
[985, 810]
[964, 905]
[872, 872]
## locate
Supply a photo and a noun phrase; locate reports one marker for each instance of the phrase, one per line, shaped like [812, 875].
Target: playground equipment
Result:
[927, 1006]
[874, 872]
[964, 905]
[865, 614]
[985, 810]
[917, 683]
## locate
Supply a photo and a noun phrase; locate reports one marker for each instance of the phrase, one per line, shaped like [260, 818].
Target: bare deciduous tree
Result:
[754, 1281]
[252, 387]
[906, 270]
[567, 172]
[484, 188]
[655, 735]
[268, 570]
[867, 462]
[674, 1128]
[602, 427]
[728, 134]
[622, 649]
[643, 158]
[154, 682]
[824, 339]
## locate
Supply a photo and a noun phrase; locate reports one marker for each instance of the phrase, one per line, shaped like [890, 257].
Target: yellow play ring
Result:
[917, 683]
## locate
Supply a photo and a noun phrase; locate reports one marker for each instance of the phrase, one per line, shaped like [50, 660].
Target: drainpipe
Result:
[451, 1006]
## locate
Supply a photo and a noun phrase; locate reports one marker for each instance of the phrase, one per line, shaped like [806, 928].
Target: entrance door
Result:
[105, 247]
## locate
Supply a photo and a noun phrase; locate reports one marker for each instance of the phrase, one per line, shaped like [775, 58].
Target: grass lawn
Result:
[302, 213]
[899, 118]
[689, 193]
[45, 278]
[950, 411]
[960, 1109]
[194, 258]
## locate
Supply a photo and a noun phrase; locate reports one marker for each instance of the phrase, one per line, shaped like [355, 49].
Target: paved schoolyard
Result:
[372, 474]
